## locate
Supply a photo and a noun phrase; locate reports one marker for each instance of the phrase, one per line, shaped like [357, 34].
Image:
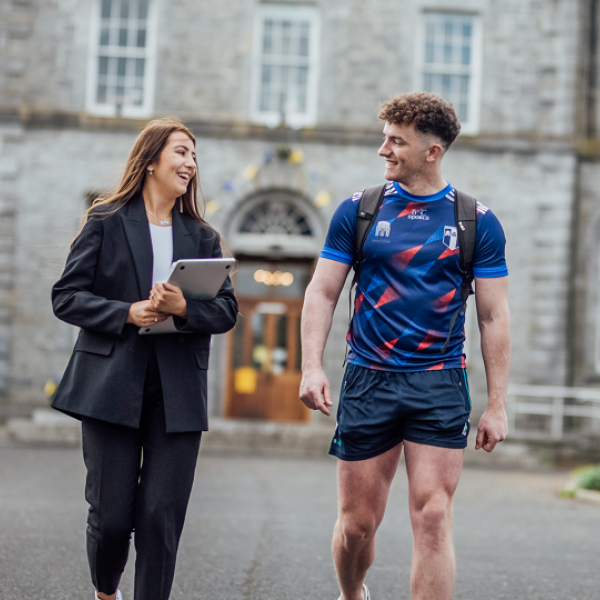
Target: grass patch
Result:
[584, 478]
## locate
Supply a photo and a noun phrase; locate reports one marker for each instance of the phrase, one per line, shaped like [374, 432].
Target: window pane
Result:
[143, 10]
[122, 37]
[124, 9]
[429, 51]
[101, 95]
[286, 31]
[106, 4]
[104, 36]
[138, 95]
[466, 55]
[103, 65]
[238, 346]
[303, 46]
[266, 74]
[448, 27]
[268, 37]
[141, 38]
[258, 337]
[464, 84]
[302, 81]
[447, 53]
[121, 66]
[140, 65]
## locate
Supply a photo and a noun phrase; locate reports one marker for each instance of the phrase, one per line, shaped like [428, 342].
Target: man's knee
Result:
[356, 529]
[432, 516]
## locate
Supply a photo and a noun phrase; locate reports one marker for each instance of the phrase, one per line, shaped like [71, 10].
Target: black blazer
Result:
[109, 268]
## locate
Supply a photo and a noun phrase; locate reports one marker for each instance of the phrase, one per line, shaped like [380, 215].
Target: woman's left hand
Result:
[168, 298]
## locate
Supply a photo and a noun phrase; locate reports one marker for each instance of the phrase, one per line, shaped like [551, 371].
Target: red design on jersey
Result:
[358, 301]
[437, 367]
[430, 338]
[447, 252]
[403, 258]
[386, 349]
[387, 296]
[442, 303]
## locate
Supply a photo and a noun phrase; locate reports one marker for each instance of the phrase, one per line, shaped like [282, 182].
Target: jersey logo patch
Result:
[383, 229]
[419, 214]
[450, 237]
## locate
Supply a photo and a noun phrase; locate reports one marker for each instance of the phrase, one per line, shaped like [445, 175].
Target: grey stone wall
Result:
[48, 173]
[367, 54]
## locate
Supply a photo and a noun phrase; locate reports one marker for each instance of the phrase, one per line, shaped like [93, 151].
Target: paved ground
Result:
[260, 528]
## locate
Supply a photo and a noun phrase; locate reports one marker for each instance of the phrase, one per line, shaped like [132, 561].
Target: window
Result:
[285, 65]
[121, 63]
[276, 217]
[450, 63]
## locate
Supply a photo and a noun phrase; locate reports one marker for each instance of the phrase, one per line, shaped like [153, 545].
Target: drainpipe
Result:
[586, 148]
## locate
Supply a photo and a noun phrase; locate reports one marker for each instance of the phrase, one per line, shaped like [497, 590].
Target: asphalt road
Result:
[260, 528]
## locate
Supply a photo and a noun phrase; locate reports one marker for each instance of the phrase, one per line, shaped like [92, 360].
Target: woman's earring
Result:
[150, 171]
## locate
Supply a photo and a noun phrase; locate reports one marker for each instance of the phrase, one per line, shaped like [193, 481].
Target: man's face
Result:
[405, 152]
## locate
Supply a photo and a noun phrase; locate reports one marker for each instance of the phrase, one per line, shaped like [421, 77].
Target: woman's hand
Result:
[168, 298]
[143, 314]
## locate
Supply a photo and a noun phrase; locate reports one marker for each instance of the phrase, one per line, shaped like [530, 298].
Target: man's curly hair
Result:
[429, 113]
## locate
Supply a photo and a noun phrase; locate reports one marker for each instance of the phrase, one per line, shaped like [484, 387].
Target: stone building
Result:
[283, 97]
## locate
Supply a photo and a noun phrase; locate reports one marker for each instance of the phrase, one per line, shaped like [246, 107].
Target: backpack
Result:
[465, 216]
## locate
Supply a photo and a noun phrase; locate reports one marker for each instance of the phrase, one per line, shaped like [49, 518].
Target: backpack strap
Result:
[465, 216]
[369, 205]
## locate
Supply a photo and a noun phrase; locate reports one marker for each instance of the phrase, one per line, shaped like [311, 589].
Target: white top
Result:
[162, 248]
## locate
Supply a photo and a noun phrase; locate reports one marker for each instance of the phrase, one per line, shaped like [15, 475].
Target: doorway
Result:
[264, 348]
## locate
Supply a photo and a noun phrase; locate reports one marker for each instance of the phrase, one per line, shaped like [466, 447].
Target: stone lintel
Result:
[493, 142]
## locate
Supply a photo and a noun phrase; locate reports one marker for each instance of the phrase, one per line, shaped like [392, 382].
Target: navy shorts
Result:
[380, 409]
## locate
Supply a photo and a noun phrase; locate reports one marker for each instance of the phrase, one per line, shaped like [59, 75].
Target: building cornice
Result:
[520, 143]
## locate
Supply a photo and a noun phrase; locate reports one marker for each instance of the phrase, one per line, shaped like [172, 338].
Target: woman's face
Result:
[176, 165]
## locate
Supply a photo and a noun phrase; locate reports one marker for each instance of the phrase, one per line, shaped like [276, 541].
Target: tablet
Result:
[198, 278]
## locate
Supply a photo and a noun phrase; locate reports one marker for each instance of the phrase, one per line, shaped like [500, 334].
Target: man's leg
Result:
[433, 475]
[363, 488]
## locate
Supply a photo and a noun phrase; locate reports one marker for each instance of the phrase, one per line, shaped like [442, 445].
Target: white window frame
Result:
[148, 53]
[470, 127]
[294, 12]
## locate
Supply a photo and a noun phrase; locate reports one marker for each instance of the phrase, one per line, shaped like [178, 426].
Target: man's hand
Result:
[315, 391]
[143, 314]
[168, 298]
[493, 428]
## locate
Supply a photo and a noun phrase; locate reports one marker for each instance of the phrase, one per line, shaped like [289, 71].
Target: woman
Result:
[141, 399]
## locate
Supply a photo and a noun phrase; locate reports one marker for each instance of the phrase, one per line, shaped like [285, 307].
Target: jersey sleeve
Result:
[339, 243]
[490, 261]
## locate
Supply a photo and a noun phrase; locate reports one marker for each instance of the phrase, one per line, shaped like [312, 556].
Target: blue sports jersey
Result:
[409, 283]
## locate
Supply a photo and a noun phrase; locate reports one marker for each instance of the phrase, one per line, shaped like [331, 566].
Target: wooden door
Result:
[264, 377]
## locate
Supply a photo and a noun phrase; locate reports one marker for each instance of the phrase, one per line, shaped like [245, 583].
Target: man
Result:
[400, 390]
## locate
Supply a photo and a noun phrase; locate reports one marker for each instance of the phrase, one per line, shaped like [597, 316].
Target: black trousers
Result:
[137, 480]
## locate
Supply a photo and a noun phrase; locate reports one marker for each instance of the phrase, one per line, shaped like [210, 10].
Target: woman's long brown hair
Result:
[145, 151]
